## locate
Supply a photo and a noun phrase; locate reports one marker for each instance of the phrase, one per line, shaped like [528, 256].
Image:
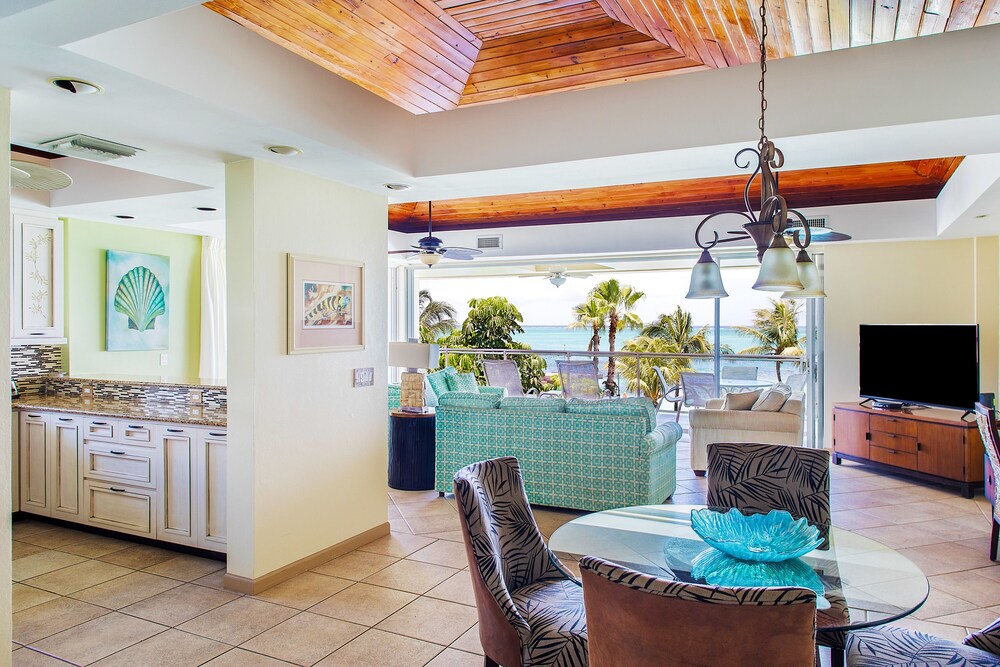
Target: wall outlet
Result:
[364, 377]
[163, 358]
[196, 396]
[87, 390]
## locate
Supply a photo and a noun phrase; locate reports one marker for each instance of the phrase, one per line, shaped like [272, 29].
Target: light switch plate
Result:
[364, 377]
[163, 358]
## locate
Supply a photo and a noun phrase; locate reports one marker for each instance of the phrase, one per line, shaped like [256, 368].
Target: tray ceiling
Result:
[805, 188]
[433, 55]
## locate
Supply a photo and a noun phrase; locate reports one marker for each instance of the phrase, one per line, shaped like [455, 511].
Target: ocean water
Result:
[562, 338]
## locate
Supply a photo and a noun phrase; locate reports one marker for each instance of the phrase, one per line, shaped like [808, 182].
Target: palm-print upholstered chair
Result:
[987, 419]
[890, 646]
[637, 620]
[530, 608]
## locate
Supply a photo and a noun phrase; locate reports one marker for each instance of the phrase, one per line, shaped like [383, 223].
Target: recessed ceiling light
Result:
[75, 86]
[205, 208]
[125, 217]
[397, 186]
[286, 151]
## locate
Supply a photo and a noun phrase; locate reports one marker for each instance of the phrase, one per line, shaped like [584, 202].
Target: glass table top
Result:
[863, 582]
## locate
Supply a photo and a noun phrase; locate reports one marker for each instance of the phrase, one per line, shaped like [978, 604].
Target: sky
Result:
[542, 303]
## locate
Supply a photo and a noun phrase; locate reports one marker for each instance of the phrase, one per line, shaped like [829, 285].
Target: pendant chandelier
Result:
[781, 270]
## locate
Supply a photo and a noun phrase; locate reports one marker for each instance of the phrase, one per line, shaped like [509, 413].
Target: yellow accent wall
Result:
[909, 282]
[86, 299]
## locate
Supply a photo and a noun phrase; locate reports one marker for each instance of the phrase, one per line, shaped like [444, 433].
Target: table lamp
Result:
[413, 356]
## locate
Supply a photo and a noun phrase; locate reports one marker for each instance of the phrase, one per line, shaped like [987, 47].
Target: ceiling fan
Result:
[32, 176]
[430, 249]
[557, 275]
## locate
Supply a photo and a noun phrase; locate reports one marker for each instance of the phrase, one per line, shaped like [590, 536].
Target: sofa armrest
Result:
[663, 436]
[715, 403]
[745, 420]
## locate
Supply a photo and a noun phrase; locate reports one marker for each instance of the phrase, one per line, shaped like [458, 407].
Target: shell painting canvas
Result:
[138, 301]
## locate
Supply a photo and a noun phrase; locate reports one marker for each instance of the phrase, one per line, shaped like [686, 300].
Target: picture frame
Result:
[326, 305]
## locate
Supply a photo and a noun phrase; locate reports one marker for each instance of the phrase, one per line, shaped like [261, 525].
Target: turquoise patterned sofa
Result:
[578, 454]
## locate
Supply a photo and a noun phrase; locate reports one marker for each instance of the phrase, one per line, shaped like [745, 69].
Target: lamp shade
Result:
[414, 355]
[706, 279]
[778, 272]
[812, 284]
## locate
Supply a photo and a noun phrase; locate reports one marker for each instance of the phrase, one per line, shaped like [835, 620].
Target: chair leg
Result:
[489, 662]
[994, 539]
[698, 473]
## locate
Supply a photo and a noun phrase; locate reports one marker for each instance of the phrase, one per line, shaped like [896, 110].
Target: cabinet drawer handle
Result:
[892, 419]
[36, 333]
[117, 490]
[217, 435]
[65, 419]
[117, 453]
[136, 428]
[889, 435]
[99, 423]
[35, 416]
[175, 430]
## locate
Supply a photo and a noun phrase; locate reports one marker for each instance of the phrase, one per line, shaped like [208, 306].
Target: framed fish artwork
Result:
[325, 305]
[138, 301]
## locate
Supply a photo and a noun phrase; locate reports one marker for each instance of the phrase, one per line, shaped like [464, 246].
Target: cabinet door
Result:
[211, 489]
[176, 518]
[67, 477]
[850, 433]
[941, 450]
[37, 287]
[34, 463]
[15, 462]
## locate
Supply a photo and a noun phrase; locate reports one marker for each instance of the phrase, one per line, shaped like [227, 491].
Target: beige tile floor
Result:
[406, 600]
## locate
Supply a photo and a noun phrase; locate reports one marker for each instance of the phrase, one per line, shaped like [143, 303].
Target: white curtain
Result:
[213, 308]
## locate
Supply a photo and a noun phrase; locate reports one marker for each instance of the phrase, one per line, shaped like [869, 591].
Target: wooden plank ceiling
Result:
[860, 184]
[433, 55]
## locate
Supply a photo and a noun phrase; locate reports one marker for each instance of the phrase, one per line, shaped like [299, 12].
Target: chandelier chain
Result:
[763, 69]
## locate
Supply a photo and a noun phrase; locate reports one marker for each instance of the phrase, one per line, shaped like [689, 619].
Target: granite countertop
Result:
[142, 380]
[159, 412]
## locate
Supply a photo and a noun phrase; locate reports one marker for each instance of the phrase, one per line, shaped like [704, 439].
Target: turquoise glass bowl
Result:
[718, 569]
[762, 538]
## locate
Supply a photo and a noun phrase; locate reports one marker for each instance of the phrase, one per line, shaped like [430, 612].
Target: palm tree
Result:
[619, 303]
[775, 330]
[590, 314]
[645, 380]
[678, 329]
[437, 318]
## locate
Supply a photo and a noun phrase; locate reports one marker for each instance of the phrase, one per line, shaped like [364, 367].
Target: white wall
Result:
[5, 453]
[307, 452]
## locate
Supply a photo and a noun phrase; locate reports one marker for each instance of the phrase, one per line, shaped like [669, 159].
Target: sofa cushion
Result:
[439, 380]
[430, 398]
[533, 404]
[463, 382]
[622, 407]
[464, 399]
[772, 400]
[741, 400]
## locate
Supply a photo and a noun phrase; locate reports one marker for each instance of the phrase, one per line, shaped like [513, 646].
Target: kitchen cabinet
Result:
[210, 486]
[36, 279]
[15, 462]
[34, 459]
[50, 459]
[67, 473]
[176, 519]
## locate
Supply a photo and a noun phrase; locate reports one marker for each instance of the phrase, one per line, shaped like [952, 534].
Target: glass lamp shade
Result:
[778, 272]
[706, 279]
[429, 258]
[557, 280]
[812, 284]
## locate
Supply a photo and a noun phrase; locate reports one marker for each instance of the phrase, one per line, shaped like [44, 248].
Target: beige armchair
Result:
[713, 424]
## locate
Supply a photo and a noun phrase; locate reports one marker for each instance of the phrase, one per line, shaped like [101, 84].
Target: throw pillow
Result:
[742, 400]
[438, 381]
[773, 399]
[464, 382]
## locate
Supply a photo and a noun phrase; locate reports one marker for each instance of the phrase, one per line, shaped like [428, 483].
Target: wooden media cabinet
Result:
[930, 444]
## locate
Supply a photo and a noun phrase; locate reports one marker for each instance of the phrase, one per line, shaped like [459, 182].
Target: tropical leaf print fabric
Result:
[891, 646]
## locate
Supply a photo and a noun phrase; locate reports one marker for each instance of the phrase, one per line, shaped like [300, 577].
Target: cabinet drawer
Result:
[124, 508]
[119, 464]
[902, 443]
[100, 429]
[893, 457]
[135, 433]
[895, 425]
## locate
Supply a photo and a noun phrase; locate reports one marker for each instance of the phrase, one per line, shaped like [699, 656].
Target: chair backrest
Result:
[738, 373]
[986, 417]
[759, 478]
[503, 373]
[639, 620]
[579, 379]
[796, 381]
[505, 550]
[665, 389]
[698, 388]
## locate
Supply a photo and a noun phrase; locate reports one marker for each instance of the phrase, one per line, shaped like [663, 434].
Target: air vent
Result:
[91, 148]
[489, 242]
[813, 223]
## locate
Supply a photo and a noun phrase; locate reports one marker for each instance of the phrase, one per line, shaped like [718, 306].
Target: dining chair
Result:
[738, 373]
[695, 391]
[987, 419]
[579, 379]
[504, 373]
[530, 608]
[890, 646]
[638, 620]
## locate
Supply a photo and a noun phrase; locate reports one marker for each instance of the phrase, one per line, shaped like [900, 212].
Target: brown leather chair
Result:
[637, 620]
[530, 608]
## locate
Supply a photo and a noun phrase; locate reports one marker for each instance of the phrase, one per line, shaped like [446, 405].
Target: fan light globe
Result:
[812, 284]
[557, 280]
[706, 279]
[778, 272]
[429, 258]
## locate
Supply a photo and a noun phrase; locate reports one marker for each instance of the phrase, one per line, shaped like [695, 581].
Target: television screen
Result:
[923, 364]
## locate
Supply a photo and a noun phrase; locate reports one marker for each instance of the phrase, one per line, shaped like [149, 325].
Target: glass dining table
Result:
[859, 582]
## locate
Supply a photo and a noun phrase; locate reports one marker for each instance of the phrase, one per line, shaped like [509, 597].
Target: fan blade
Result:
[578, 275]
[460, 253]
[398, 252]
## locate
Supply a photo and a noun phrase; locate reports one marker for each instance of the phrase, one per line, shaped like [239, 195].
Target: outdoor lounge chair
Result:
[694, 391]
[738, 373]
[579, 379]
[504, 373]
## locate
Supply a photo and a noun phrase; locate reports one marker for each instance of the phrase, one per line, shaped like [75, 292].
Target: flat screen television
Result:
[921, 364]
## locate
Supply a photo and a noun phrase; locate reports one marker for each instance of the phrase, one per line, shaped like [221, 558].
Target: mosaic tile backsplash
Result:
[29, 364]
